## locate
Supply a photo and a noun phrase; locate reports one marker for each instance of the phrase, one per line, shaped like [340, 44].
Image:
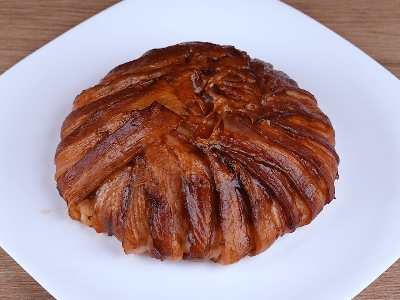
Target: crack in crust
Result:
[196, 151]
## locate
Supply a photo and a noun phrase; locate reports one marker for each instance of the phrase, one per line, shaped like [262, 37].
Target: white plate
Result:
[350, 243]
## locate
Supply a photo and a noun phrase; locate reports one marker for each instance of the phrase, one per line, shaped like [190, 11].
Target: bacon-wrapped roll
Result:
[196, 151]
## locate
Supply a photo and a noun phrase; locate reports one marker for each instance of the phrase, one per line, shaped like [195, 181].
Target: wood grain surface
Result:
[26, 25]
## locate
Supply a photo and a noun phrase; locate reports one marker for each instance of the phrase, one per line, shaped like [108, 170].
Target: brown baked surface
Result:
[196, 151]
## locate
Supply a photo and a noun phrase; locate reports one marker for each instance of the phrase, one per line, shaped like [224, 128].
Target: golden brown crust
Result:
[196, 151]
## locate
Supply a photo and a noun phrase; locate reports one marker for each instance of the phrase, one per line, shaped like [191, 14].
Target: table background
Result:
[26, 25]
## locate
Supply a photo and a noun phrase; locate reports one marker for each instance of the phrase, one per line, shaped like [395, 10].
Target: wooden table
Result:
[25, 26]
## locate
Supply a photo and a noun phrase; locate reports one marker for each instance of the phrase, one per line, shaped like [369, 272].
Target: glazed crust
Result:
[196, 151]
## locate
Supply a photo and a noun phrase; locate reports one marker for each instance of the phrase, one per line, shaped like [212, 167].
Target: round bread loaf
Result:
[196, 151]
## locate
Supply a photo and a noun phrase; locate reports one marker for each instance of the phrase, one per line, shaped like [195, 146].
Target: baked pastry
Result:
[196, 151]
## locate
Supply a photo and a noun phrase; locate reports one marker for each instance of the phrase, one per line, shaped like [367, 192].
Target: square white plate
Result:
[346, 247]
